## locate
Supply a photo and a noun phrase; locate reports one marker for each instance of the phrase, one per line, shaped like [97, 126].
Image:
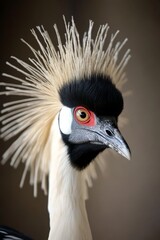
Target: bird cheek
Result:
[65, 120]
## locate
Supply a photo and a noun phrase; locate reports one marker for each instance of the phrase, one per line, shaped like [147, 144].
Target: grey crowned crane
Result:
[67, 114]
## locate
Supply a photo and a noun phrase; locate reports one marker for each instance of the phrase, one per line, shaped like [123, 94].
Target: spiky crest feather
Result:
[32, 116]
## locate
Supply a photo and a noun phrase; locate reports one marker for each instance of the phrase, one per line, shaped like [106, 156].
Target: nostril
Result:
[109, 133]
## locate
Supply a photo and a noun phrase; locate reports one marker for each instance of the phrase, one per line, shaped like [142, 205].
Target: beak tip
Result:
[125, 152]
[128, 157]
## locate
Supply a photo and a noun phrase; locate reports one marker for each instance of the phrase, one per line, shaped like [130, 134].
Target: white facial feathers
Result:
[65, 120]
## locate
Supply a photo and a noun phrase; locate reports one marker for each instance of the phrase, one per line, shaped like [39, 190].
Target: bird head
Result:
[81, 82]
[89, 117]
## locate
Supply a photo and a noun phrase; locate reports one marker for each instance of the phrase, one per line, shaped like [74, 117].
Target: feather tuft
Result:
[30, 116]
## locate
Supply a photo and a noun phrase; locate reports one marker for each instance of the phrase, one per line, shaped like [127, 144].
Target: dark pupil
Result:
[83, 115]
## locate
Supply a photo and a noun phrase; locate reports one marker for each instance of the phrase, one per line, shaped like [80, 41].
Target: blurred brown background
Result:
[124, 204]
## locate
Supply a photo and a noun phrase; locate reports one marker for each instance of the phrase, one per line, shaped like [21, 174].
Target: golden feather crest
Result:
[31, 118]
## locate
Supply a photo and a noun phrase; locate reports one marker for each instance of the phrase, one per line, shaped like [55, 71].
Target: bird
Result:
[67, 111]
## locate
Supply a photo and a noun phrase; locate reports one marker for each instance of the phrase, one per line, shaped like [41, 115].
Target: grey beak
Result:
[111, 136]
[119, 144]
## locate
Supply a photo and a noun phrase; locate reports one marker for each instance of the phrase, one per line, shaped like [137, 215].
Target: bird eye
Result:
[84, 116]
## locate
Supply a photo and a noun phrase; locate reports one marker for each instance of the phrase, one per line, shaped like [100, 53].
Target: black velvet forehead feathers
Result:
[97, 93]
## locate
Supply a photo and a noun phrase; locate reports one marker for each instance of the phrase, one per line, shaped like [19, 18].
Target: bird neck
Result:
[66, 204]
